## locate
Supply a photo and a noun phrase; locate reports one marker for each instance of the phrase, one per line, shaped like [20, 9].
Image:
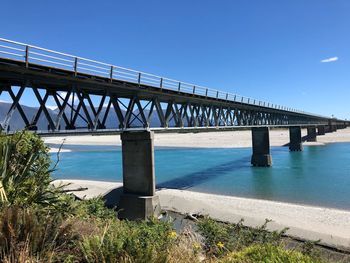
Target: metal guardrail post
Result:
[161, 83]
[206, 92]
[194, 90]
[234, 99]
[179, 88]
[27, 56]
[76, 66]
[226, 96]
[111, 74]
[217, 94]
[139, 78]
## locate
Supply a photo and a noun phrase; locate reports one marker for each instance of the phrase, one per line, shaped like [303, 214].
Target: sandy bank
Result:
[55, 150]
[332, 226]
[227, 139]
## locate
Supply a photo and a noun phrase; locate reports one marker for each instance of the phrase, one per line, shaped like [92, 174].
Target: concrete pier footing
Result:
[295, 139]
[321, 130]
[261, 147]
[311, 134]
[138, 200]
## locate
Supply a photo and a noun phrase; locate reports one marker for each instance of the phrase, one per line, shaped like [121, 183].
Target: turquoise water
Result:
[320, 175]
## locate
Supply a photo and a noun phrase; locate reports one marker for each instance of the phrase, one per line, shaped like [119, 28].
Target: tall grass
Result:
[33, 233]
[123, 241]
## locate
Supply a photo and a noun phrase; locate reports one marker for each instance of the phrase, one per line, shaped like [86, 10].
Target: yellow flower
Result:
[220, 244]
[196, 246]
[173, 234]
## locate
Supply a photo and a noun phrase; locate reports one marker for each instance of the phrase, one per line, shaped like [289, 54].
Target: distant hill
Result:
[16, 122]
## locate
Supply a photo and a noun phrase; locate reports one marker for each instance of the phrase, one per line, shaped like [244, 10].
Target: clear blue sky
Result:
[269, 49]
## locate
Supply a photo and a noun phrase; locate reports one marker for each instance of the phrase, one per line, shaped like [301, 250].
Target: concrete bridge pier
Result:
[321, 130]
[311, 134]
[334, 128]
[295, 138]
[138, 200]
[261, 147]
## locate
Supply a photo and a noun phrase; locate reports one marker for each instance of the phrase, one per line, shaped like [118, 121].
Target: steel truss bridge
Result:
[138, 100]
[95, 97]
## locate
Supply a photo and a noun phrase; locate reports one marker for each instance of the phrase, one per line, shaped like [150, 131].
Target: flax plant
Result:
[25, 172]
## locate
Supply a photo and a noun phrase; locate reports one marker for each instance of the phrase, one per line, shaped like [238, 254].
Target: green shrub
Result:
[94, 207]
[123, 241]
[221, 238]
[25, 173]
[268, 253]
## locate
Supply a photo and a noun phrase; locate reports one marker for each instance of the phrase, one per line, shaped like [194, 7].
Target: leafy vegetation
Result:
[40, 223]
[25, 174]
[220, 237]
[93, 208]
[122, 241]
[268, 253]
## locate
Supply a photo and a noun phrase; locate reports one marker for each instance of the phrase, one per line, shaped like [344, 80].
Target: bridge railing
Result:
[32, 55]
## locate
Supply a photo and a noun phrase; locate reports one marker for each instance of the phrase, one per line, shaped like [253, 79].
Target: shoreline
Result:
[107, 184]
[225, 139]
[305, 222]
[82, 149]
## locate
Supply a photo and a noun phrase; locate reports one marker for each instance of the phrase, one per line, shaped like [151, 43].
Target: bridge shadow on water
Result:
[196, 178]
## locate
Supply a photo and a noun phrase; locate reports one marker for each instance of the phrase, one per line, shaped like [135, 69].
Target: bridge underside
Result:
[96, 104]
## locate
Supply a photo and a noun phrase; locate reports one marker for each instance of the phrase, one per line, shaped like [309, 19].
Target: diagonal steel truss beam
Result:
[94, 113]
